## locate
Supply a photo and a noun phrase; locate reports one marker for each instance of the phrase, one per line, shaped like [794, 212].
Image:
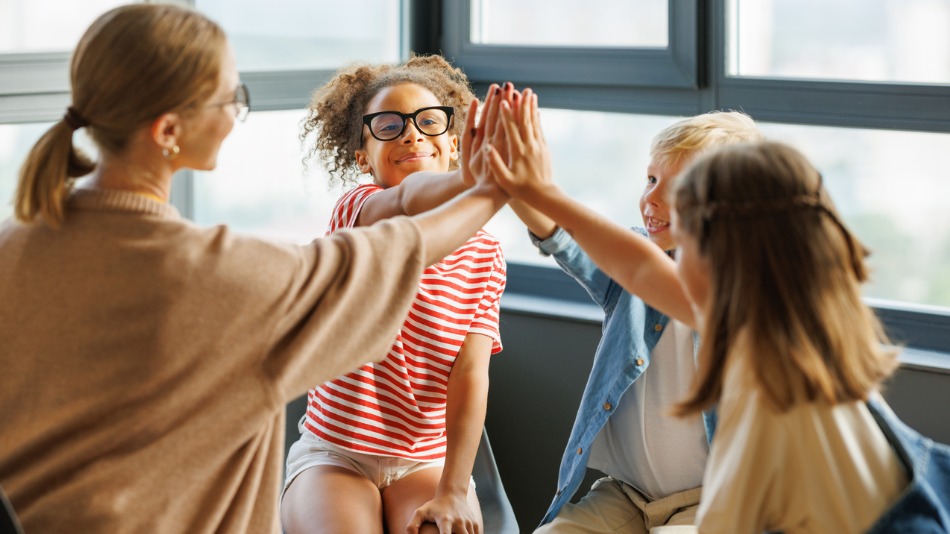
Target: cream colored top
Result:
[643, 443]
[814, 469]
[145, 362]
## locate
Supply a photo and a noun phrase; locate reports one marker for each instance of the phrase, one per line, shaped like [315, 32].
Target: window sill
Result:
[928, 360]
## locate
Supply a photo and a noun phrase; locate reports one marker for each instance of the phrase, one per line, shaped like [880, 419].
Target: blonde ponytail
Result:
[47, 176]
[134, 63]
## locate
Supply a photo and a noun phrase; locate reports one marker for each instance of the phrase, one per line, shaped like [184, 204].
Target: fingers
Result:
[470, 144]
[536, 119]
[457, 525]
[416, 522]
[514, 153]
[513, 133]
[532, 123]
[499, 170]
[470, 132]
[490, 98]
[515, 101]
[484, 121]
[490, 112]
[523, 115]
[527, 117]
[499, 138]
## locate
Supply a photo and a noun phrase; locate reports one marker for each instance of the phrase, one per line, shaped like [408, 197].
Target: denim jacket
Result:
[924, 505]
[630, 331]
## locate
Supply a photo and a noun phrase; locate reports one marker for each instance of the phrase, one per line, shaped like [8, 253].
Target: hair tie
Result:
[74, 119]
[762, 207]
[736, 210]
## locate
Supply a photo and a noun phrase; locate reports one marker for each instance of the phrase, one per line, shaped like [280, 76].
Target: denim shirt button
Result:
[658, 327]
[580, 450]
[607, 406]
[640, 361]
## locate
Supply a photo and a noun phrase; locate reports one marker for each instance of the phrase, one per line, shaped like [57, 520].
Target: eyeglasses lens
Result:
[389, 126]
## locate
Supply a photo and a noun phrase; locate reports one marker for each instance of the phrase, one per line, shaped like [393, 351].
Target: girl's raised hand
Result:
[474, 162]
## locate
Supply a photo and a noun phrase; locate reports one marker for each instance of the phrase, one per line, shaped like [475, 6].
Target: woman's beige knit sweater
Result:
[145, 362]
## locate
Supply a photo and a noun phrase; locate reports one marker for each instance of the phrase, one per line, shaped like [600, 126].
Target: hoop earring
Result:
[171, 154]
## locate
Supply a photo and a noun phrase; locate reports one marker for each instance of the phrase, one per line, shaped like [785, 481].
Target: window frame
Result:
[888, 106]
[675, 66]
[689, 79]
[34, 86]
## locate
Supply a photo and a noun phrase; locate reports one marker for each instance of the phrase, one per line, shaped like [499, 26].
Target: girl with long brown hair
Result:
[790, 355]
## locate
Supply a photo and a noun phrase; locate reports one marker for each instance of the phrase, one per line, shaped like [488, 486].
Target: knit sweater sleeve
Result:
[344, 304]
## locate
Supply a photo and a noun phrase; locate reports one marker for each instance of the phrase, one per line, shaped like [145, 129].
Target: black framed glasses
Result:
[241, 102]
[389, 125]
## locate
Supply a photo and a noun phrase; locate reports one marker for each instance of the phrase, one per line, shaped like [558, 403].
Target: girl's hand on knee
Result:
[450, 513]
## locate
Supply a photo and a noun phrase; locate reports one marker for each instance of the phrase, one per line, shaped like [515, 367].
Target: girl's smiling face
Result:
[391, 161]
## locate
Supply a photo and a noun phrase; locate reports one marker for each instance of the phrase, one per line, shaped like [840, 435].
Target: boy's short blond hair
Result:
[680, 142]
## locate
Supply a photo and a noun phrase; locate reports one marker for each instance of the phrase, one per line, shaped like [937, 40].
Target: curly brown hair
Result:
[336, 109]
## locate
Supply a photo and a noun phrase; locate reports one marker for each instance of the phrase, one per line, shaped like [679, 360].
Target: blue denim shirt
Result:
[924, 505]
[630, 331]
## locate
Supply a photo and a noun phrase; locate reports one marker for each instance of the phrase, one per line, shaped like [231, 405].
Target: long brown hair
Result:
[785, 272]
[133, 64]
[335, 117]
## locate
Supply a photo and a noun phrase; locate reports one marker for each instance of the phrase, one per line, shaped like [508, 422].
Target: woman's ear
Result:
[166, 131]
[362, 161]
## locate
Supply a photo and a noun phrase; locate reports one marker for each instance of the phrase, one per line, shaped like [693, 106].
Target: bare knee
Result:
[331, 499]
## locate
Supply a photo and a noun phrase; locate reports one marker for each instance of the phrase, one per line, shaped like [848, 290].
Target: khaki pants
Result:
[615, 507]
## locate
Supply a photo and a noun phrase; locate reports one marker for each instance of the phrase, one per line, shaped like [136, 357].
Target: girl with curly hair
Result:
[391, 446]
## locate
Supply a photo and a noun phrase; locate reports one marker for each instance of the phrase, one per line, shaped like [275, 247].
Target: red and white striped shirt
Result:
[397, 407]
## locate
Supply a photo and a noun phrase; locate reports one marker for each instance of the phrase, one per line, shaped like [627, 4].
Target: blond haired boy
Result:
[644, 364]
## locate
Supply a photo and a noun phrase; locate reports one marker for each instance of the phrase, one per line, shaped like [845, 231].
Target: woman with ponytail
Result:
[145, 362]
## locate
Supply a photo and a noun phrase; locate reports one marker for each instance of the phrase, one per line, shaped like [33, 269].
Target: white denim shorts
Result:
[312, 451]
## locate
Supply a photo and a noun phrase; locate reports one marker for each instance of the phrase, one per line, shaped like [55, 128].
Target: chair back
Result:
[497, 513]
[9, 524]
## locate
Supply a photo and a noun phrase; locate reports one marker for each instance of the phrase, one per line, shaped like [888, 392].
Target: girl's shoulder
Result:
[486, 238]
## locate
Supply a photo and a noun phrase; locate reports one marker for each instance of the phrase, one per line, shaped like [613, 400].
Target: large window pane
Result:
[861, 40]
[599, 158]
[16, 140]
[47, 26]
[891, 187]
[302, 35]
[600, 23]
[259, 186]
